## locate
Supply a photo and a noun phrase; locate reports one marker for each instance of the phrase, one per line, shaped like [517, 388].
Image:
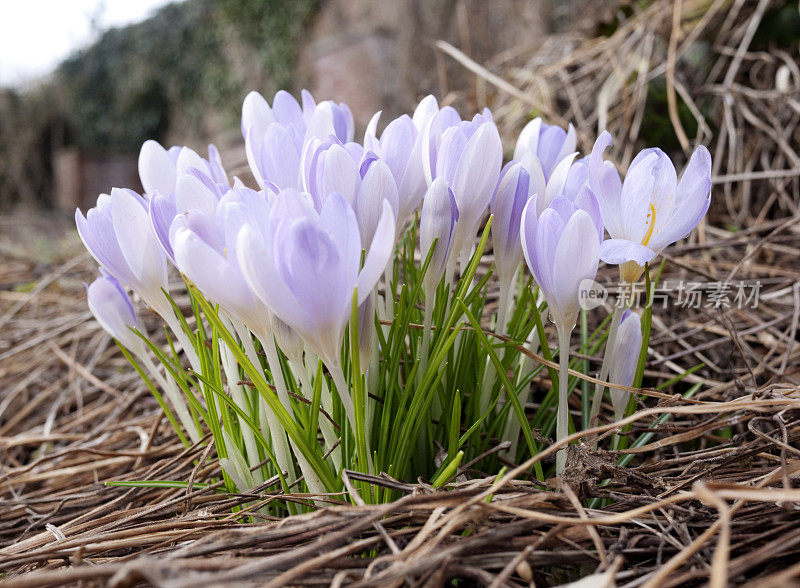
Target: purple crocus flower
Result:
[160, 168]
[624, 359]
[202, 255]
[544, 146]
[305, 265]
[400, 146]
[437, 222]
[275, 136]
[363, 179]
[468, 156]
[651, 209]
[561, 248]
[547, 153]
[509, 200]
[117, 234]
[112, 308]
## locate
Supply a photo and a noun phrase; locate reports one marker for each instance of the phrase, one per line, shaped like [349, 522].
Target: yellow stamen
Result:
[652, 225]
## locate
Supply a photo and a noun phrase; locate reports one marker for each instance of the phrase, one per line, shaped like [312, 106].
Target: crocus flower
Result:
[275, 136]
[651, 209]
[185, 181]
[198, 241]
[363, 179]
[113, 309]
[546, 152]
[624, 359]
[159, 168]
[437, 221]
[544, 146]
[468, 156]
[117, 234]
[400, 146]
[305, 265]
[508, 202]
[561, 248]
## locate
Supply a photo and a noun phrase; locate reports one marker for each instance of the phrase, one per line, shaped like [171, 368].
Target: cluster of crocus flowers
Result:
[293, 260]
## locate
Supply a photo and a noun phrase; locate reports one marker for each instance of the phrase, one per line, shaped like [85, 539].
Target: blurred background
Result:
[84, 83]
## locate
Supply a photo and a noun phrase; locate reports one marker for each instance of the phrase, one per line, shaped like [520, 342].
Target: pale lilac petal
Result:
[156, 169]
[528, 140]
[576, 259]
[508, 203]
[478, 171]
[286, 110]
[424, 112]
[377, 186]
[453, 144]
[340, 174]
[527, 232]
[634, 204]
[371, 142]
[558, 178]
[606, 185]
[585, 200]
[437, 219]
[692, 202]
[218, 173]
[112, 308]
[549, 228]
[256, 115]
[340, 220]
[96, 230]
[379, 253]
[551, 139]
[619, 251]
[162, 211]
[568, 146]
[137, 243]
[192, 194]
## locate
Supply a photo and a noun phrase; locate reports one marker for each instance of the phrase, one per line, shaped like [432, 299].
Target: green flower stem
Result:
[171, 392]
[597, 400]
[562, 419]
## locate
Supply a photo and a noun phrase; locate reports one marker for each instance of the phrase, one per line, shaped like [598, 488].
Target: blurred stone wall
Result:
[379, 54]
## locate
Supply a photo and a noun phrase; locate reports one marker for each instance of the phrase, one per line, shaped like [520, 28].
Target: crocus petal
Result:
[286, 110]
[371, 142]
[156, 168]
[112, 308]
[606, 185]
[478, 171]
[192, 194]
[634, 203]
[379, 253]
[215, 276]
[437, 218]
[575, 260]
[137, 243]
[692, 201]
[424, 112]
[377, 186]
[528, 140]
[558, 178]
[256, 115]
[619, 251]
[340, 174]
[162, 211]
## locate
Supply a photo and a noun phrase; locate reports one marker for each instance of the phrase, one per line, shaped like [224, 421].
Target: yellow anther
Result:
[652, 225]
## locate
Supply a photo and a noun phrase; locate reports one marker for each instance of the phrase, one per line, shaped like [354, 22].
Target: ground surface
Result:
[693, 506]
